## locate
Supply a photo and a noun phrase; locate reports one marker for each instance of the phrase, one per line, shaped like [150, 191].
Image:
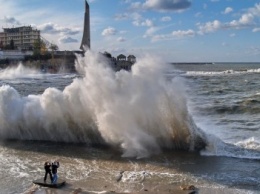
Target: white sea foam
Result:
[254, 70]
[250, 143]
[226, 72]
[247, 149]
[208, 73]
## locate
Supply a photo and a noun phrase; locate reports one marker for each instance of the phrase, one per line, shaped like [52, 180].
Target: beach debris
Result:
[78, 190]
[32, 189]
[119, 177]
[188, 187]
[143, 179]
[191, 188]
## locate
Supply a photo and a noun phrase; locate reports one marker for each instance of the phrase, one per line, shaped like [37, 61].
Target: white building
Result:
[23, 38]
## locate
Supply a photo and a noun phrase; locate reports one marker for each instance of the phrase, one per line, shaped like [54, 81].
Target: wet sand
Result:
[151, 185]
[70, 190]
[219, 167]
[97, 170]
[154, 189]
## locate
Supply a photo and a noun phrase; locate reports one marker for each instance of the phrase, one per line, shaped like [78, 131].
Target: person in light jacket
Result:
[54, 168]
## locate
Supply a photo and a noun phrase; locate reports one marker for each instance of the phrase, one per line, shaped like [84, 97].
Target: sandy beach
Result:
[97, 170]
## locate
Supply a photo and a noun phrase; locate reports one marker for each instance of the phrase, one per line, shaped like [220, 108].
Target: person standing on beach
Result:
[47, 167]
[54, 168]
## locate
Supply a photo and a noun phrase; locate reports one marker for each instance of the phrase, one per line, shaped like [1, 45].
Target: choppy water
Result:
[98, 123]
[225, 101]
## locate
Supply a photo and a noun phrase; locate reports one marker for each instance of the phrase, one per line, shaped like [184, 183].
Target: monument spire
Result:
[86, 31]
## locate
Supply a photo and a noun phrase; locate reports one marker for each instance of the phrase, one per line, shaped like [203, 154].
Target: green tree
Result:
[53, 47]
[1, 45]
[107, 54]
[12, 44]
[37, 47]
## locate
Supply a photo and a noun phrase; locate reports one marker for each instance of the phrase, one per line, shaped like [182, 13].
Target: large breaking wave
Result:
[139, 111]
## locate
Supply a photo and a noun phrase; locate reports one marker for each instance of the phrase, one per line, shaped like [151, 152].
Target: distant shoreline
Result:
[211, 63]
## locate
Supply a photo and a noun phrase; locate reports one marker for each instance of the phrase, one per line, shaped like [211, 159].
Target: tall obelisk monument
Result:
[86, 33]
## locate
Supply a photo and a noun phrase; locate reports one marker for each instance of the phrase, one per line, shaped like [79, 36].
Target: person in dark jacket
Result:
[54, 168]
[47, 167]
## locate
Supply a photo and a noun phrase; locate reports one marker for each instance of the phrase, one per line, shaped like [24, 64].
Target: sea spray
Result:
[138, 111]
[19, 71]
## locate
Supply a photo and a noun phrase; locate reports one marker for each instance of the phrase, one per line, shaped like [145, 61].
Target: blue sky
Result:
[176, 30]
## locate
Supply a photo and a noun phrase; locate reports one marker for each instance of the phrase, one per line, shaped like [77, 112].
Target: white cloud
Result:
[209, 27]
[245, 20]
[136, 16]
[182, 33]
[136, 5]
[139, 21]
[109, 31]
[198, 14]
[123, 16]
[232, 35]
[122, 32]
[163, 5]
[228, 10]
[160, 37]
[255, 10]
[67, 39]
[174, 35]
[166, 19]
[127, 1]
[146, 22]
[50, 28]
[256, 30]
[150, 31]
[253, 51]
[121, 39]
[224, 44]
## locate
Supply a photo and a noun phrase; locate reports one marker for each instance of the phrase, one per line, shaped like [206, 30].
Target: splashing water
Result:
[18, 72]
[139, 112]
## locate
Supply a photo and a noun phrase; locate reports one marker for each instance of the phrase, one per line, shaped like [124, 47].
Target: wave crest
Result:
[226, 72]
[139, 111]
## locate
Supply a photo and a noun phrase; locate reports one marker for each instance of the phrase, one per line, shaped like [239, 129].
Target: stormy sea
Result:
[151, 129]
